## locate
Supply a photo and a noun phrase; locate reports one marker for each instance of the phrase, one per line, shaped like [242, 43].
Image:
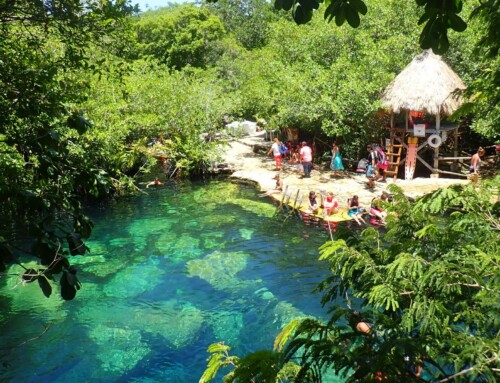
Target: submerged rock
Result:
[119, 349]
[227, 326]
[135, 280]
[178, 248]
[219, 269]
[141, 229]
[262, 209]
[246, 233]
[217, 193]
[284, 312]
[176, 321]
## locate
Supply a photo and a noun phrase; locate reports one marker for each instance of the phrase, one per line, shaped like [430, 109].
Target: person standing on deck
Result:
[306, 159]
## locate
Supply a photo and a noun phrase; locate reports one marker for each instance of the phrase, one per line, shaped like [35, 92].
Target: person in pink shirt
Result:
[306, 159]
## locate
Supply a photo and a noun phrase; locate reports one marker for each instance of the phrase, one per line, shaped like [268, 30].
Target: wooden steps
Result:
[393, 156]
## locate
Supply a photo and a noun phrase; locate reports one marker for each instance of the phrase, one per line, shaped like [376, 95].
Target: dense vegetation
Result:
[85, 88]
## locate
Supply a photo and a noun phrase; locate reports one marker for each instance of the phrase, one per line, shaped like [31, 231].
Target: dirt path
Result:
[259, 168]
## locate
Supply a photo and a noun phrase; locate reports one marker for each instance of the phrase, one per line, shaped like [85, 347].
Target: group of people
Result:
[279, 151]
[331, 206]
[302, 153]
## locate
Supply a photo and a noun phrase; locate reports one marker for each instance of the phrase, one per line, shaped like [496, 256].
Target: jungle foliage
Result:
[85, 88]
[428, 290]
[43, 165]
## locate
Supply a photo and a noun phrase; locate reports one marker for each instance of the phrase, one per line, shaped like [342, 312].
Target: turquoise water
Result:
[169, 273]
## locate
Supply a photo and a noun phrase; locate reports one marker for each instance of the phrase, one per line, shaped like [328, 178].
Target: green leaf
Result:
[302, 15]
[359, 6]
[69, 285]
[218, 347]
[76, 245]
[442, 45]
[309, 5]
[284, 4]
[331, 10]
[340, 16]
[352, 16]
[329, 248]
[286, 333]
[426, 16]
[456, 22]
[45, 286]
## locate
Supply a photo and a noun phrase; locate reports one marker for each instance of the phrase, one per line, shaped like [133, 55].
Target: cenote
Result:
[169, 273]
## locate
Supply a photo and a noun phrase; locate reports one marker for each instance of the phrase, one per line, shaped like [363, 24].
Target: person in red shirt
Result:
[331, 204]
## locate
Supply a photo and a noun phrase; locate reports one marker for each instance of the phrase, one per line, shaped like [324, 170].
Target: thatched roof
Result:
[425, 85]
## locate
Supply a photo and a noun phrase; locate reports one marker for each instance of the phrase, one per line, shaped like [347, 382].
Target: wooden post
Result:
[454, 166]
[435, 174]
[296, 198]
[284, 195]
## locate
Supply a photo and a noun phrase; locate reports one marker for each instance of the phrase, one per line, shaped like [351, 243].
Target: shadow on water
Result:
[169, 273]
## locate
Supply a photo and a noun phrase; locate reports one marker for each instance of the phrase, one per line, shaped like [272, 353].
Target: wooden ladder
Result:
[393, 156]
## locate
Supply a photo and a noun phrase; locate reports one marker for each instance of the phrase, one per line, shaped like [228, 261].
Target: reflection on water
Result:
[168, 274]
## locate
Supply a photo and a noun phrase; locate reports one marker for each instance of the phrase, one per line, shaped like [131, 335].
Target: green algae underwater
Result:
[169, 273]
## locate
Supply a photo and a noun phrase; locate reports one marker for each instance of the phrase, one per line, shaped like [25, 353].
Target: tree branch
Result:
[467, 370]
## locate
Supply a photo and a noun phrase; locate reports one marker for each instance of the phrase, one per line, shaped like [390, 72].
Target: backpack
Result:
[283, 149]
[382, 161]
[362, 164]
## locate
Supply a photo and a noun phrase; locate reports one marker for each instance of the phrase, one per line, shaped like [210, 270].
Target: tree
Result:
[248, 20]
[438, 16]
[43, 45]
[179, 36]
[479, 56]
[423, 295]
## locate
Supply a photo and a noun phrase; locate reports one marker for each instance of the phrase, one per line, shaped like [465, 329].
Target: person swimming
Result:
[155, 182]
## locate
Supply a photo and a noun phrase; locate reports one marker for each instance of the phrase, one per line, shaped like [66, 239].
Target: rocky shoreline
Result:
[246, 159]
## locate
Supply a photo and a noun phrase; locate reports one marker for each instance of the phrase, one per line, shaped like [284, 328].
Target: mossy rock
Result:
[284, 312]
[120, 349]
[226, 326]
[135, 280]
[176, 321]
[219, 269]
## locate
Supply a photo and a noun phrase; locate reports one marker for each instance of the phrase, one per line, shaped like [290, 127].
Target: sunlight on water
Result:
[168, 274]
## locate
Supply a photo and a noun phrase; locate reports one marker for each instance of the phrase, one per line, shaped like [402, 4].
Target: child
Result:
[277, 189]
[354, 210]
[313, 203]
[377, 209]
[331, 204]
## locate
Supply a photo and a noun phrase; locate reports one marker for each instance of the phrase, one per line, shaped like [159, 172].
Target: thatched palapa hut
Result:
[426, 86]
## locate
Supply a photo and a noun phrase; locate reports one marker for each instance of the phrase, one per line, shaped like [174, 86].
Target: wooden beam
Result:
[452, 173]
[455, 147]
[453, 158]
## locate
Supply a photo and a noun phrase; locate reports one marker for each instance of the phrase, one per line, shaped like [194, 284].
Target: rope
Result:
[346, 293]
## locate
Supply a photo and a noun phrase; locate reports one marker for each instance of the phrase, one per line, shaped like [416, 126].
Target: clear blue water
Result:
[169, 273]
